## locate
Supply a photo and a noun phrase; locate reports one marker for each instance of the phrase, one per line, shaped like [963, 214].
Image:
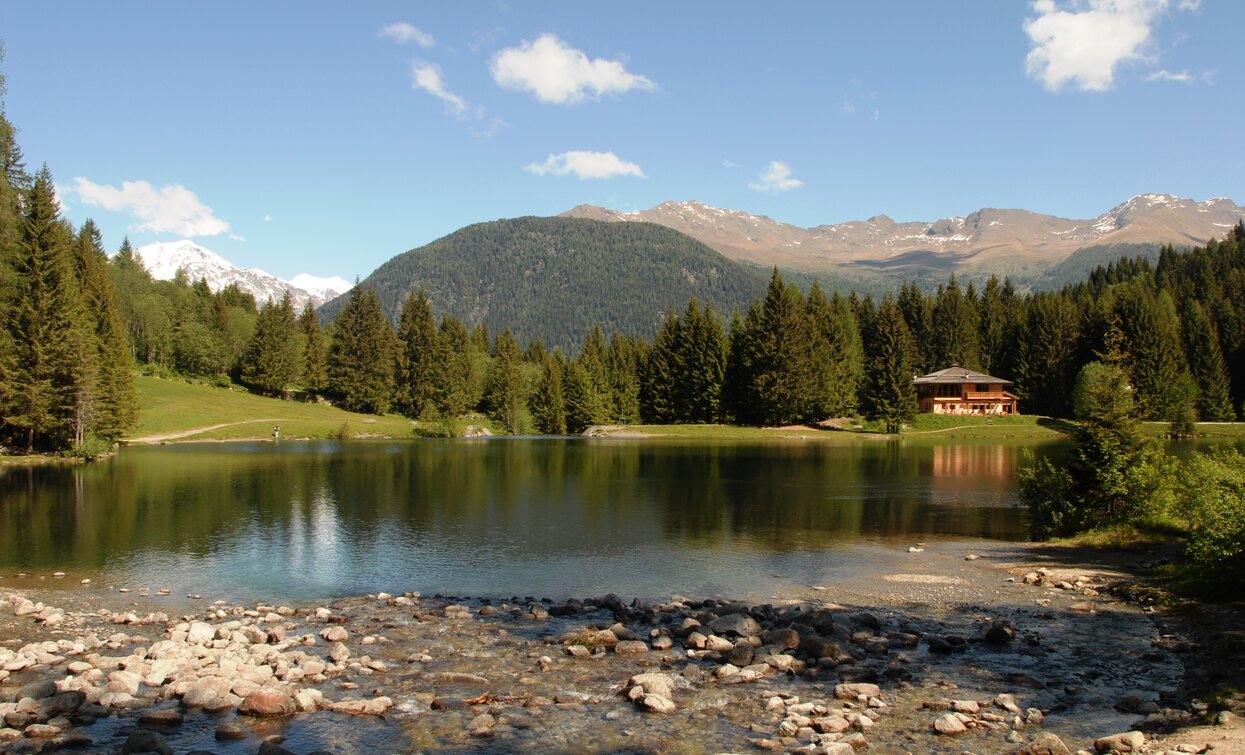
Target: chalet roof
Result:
[956, 374]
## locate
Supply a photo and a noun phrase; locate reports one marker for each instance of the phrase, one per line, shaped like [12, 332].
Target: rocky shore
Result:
[1042, 662]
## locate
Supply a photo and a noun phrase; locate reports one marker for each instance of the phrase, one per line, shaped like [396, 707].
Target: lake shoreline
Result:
[1062, 657]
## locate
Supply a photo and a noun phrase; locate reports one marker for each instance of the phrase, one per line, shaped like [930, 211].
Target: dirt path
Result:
[196, 431]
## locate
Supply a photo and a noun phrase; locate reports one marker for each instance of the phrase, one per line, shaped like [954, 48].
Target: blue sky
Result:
[325, 138]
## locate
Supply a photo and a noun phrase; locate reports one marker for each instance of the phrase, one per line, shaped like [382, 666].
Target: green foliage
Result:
[506, 395]
[315, 357]
[1213, 485]
[1117, 474]
[889, 393]
[554, 278]
[548, 405]
[273, 360]
[955, 339]
[583, 403]
[361, 355]
[417, 356]
[777, 357]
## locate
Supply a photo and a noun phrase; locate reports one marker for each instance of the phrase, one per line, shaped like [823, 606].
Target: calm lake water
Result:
[542, 517]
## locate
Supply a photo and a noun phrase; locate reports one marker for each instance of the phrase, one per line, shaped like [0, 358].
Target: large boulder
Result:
[737, 624]
[268, 703]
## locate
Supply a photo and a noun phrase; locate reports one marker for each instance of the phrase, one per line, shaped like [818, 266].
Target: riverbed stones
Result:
[949, 724]
[200, 633]
[1129, 741]
[856, 691]
[1044, 744]
[335, 633]
[268, 703]
[631, 647]
[1000, 632]
[145, 741]
[738, 624]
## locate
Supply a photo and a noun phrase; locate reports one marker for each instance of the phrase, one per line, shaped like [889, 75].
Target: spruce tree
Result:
[361, 355]
[834, 367]
[1046, 361]
[891, 394]
[583, 403]
[47, 327]
[954, 336]
[1152, 330]
[737, 378]
[117, 404]
[455, 369]
[506, 395]
[271, 361]
[622, 362]
[701, 352]
[659, 403]
[314, 373]
[918, 315]
[547, 404]
[417, 356]
[778, 342]
[1206, 364]
[593, 358]
[992, 328]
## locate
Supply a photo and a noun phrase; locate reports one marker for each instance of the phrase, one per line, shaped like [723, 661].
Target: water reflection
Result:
[320, 518]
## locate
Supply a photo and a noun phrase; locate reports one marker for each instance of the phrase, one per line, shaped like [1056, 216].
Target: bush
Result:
[1214, 489]
[90, 448]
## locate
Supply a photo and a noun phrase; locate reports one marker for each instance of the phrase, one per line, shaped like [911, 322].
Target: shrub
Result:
[1214, 498]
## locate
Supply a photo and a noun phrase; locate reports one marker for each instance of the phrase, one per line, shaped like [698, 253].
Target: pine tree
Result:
[1206, 364]
[622, 362]
[583, 404]
[737, 377]
[954, 336]
[888, 383]
[271, 361]
[778, 343]
[117, 404]
[1159, 373]
[593, 358]
[417, 356]
[992, 328]
[834, 366]
[455, 369]
[918, 315]
[46, 326]
[361, 355]
[506, 395]
[658, 400]
[547, 403]
[1046, 362]
[314, 373]
[700, 365]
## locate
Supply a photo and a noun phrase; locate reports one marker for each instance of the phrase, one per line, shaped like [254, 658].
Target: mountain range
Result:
[986, 241]
[164, 259]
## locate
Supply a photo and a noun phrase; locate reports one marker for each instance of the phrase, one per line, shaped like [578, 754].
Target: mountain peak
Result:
[164, 258]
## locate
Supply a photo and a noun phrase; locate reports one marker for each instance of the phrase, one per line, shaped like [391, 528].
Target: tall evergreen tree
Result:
[417, 356]
[583, 403]
[658, 401]
[315, 358]
[888, 383]
[918, 314]
[455, 368]
[700, 365]
[116, 409]
[1206, 364]
[834, 362]
[548, 404]
[46, 326]
[778, 342]
[1152, 330]
[955, 324]
[271, 361]
[737, 380]
[992, 328]
[622, 362]
[361, 355]
[594, 359]
[506, 395]
[1046, 363]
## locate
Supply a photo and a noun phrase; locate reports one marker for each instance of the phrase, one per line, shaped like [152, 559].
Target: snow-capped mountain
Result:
[986, 238]
[164, 259]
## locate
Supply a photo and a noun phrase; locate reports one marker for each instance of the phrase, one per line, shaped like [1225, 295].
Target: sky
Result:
[325, 138]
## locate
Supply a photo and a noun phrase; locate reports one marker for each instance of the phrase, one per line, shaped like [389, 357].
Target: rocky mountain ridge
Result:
[1007, 240]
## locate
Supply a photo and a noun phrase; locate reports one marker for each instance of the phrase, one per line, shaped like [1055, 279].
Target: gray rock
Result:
[1000, 632]
[230, 732]
[1129, 741]
[784, 639]
[653, 683]
[737, 624]
[657, 704]
[949, 724]
[856, 690]
[145, 741]
[37, 690]
[741, 654]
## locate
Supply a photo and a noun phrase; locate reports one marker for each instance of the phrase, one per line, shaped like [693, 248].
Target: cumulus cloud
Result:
[427, 76]
[402, 32]
[775, 178]
[169, 209]
[556, 72]
[1085, 44]
[585, 165]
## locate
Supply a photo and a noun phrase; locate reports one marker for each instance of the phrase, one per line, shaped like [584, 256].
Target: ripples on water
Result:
[299, 520]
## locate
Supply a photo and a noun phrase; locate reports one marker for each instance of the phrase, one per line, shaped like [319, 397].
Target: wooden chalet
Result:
[957, 390]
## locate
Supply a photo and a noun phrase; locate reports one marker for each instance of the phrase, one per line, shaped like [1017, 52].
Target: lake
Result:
[543, 517]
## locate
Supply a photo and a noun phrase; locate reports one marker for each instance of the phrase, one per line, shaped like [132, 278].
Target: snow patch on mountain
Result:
[164, 259]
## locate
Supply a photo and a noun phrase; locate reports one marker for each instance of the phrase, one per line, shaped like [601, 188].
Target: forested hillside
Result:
[551, 278]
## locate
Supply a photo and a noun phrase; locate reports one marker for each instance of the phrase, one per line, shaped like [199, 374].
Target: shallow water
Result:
[304, 520]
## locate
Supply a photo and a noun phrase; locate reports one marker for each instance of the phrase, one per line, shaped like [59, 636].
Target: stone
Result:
[1000, 632]
[335, 633]
[161, 717]
[783, 639]
[654, 683]
[309, 700]
[815, 646]
[949, 724]
[631, 647]
[339, 652]
[41, 731]
[59, 705]
[37, 690]
[378, 705]
[200, 633]
[230, 732]
[657, 704]
[268, 703]
[856, 690]
[965, 706]
[272, 746]
[716, 644]
[145, 741]
[482, 723]
[1129, 741]
[1043, 744]
[741, 654]
[209, 693]
[737, 624]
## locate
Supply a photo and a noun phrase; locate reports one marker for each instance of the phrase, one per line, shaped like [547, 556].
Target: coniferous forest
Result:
[76, 323]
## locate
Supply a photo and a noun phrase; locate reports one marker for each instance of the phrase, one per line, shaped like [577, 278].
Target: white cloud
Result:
[1084, 45]
[169, 209]
[1183, 77]
[402, 32]
[427, 76]
[236, 237]
[730, 164]
[267, 218]
[775, 178]
[586, 165]
[558, 73]
[849, 108]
